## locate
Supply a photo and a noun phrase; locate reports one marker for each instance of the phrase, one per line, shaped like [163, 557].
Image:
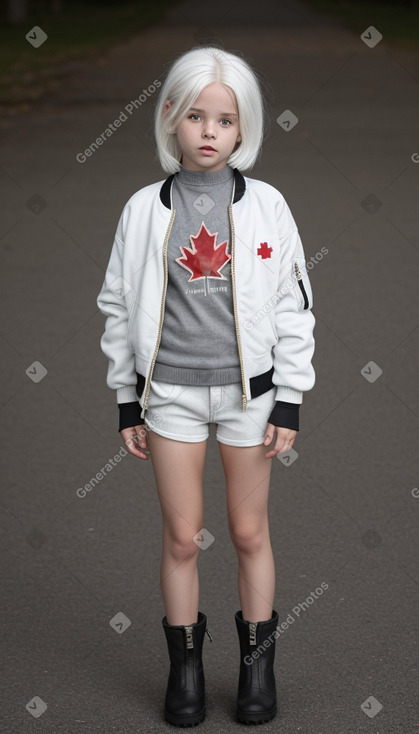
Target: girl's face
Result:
[212, 121]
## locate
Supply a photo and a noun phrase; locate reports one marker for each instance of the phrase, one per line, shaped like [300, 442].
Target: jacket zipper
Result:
[300, 283]
[156, 349]
[233, 279]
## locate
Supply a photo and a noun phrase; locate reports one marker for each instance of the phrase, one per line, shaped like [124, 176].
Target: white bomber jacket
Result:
[272, 297]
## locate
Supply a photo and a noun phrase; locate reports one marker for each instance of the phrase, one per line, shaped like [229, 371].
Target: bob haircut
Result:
[187, 77]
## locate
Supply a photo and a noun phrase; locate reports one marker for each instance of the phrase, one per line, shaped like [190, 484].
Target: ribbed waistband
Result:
[187, 376]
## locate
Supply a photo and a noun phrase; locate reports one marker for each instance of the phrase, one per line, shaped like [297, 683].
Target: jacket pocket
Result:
[301, 283]
[259, 364]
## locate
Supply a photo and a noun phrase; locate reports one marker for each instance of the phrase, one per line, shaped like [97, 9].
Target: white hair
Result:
[187, 77]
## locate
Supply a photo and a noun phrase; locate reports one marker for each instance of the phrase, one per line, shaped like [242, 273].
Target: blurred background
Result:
[84, 29]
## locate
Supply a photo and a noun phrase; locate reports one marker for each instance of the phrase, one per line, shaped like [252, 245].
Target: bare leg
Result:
[178, 469]
[247, 474]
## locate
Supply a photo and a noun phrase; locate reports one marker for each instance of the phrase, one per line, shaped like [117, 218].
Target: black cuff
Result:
[285, 415]
[129, 415]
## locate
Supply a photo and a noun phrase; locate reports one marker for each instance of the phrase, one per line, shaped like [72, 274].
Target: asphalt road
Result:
[344, 513]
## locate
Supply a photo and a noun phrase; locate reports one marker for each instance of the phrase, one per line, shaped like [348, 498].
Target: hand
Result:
[134, 437]
[285, 438]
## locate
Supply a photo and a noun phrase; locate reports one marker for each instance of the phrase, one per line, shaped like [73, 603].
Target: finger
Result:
[141, 453]
[281, 447]
[142, 447]
[137, 445]
[268, 438]
[269, 434]
[140, 439]
[273, 452]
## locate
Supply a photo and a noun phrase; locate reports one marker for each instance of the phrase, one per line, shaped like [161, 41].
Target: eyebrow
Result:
[226, 114]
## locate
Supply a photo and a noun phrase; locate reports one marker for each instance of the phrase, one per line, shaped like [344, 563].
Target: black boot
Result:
[185, 697]
[256, 697]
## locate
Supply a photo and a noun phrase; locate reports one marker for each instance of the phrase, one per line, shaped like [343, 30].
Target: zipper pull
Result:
[208, 633]
[252, 633]
[189, 636]
[297, 271]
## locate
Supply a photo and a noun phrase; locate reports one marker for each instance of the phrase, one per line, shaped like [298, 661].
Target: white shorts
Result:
[183, 413]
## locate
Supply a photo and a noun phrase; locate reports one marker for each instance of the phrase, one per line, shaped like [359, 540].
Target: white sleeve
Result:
[294, 320]
[114, 301]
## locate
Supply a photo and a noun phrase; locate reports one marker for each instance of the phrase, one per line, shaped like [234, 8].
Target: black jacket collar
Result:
[239, 189]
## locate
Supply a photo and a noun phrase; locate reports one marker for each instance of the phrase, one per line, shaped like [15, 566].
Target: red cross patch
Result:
[264, 251]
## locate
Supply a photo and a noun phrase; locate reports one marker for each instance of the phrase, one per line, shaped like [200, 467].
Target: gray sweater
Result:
[198, 342]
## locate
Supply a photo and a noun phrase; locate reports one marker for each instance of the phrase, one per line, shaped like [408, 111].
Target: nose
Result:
[209, 129]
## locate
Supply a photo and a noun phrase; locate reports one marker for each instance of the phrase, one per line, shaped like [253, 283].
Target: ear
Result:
[239, 138]
[166, 108]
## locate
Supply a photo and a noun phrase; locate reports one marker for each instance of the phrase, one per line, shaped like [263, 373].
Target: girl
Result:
[209, 320]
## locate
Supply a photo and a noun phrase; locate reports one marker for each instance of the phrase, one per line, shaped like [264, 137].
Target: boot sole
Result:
[191, 720]
[255, 718]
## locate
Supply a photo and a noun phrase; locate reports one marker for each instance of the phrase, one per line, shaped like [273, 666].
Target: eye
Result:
[225, 120]
[194, 114]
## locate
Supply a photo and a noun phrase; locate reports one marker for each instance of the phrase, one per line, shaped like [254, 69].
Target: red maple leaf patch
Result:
[204, 258]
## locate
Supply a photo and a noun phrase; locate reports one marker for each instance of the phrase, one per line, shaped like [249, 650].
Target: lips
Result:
[206, 147]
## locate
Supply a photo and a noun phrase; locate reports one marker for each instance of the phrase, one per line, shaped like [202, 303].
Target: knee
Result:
[182, 547]
[248, 538]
